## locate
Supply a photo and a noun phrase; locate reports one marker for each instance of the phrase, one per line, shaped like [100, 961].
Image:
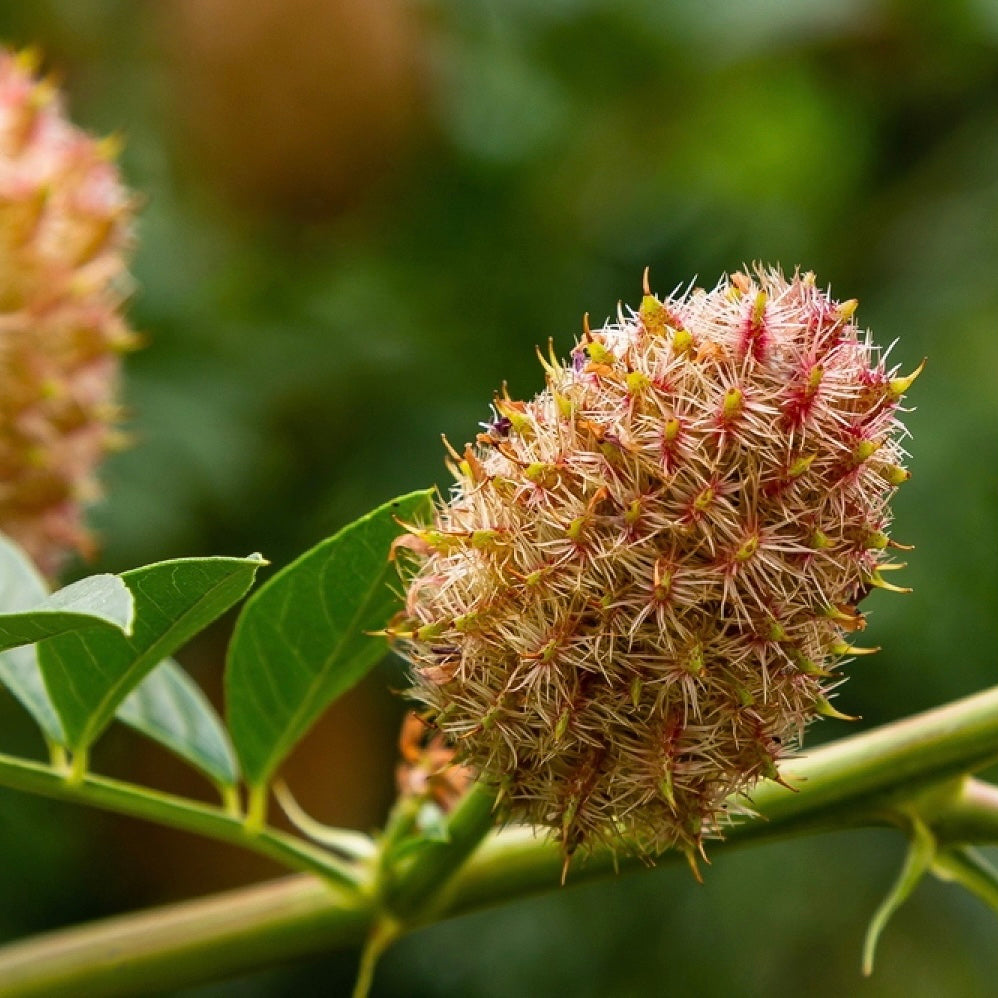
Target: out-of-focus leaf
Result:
[21, 584]
[100, 602]
[89, 673]
[300, 642]
[22, 587]
[169, 707]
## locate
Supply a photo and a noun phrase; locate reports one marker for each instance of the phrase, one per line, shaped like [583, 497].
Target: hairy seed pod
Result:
[64, 224]
[640, 592]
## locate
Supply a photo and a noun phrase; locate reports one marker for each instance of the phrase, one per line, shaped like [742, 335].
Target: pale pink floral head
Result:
[65, 222]
[643, 586]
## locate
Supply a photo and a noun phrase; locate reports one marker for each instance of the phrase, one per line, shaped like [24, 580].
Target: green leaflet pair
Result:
[100, 649]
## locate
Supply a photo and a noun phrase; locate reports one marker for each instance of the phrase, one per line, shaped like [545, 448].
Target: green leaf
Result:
[169, 707]
[100, 602]
[21, 584]
[19, 672]
[88, 673]
[22, 587]
[918, 861]
[966, 866]
[300, 642]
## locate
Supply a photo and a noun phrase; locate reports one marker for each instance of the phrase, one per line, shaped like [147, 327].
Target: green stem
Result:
[865, 779]
[424, 879]
[231, 802]
[971, 810]
[176, 812]
[918, 860]
[57, 756]
[971, 870]
[256, 808]
[78, 769]
[220, 936]
[383, 933]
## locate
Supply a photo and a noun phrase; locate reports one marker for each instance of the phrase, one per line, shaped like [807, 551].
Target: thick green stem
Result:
[175, 812]
[970, 869]
[423, 882]
[210, 938]
[384, 932]
[972, 811]
[865, 779]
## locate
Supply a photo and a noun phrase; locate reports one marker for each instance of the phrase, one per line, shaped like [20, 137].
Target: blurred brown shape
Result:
[427, 767]
[295, 106]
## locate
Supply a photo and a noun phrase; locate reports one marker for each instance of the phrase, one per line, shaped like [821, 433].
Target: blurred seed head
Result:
[643, 585]
[296, 107]
[65, 223]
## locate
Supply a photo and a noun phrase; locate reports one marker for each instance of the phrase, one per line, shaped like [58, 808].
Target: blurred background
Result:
[360, 217]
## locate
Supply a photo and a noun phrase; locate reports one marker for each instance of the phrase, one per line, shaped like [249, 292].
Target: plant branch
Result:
[185, 943]
[423, 881]
[179, 812]
[971, 870]
[864, 779]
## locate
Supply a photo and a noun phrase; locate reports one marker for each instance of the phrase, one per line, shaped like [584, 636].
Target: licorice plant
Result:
[643, 587]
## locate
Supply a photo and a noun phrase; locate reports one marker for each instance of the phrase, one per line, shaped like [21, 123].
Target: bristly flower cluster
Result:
[641, 590]
[64, 222]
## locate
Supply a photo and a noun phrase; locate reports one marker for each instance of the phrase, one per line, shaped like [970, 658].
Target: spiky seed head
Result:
[678, 529]
[64, 224]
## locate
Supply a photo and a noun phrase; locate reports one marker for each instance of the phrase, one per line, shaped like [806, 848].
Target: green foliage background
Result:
[308, 343]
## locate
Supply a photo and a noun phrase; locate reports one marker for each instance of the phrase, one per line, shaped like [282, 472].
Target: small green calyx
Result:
[484, 540]
[653, 315]
[777, 632]
[844, 648]
[562, 726]
[633, 513]
[637, 687]
[430, 631]
[808, 666]
[876, 579]
[682, 341]
[894, 474]
[759, 309]
[846, 310]
[519, 421]
[704, 499]
[897, 387]
[800, 465]
[876, 540]
[467, 622]
[819, 540]
[734, 403]
[864, 450]
[637, 382]
[694, 662]
[823, 707]
[542, 474]
[599, 354]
